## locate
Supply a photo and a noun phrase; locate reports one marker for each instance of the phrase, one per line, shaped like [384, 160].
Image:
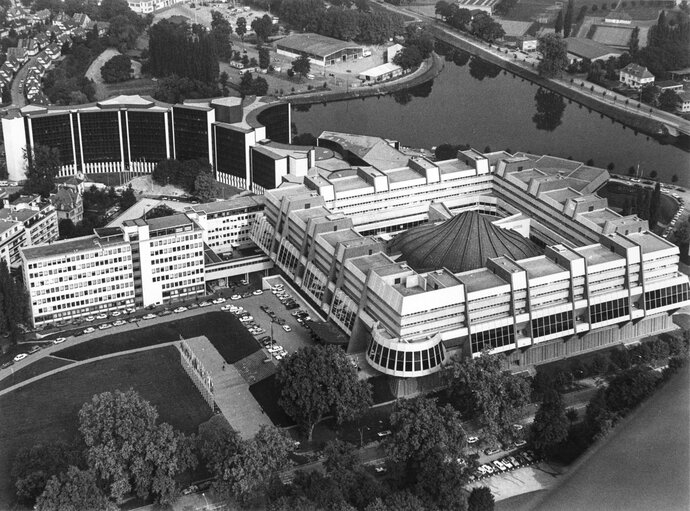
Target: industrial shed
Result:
[321, 50]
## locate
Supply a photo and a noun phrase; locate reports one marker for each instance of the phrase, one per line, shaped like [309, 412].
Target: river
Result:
[477, 103]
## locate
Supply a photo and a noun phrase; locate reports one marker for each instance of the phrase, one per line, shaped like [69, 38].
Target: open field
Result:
[46, 411]
[225, 332]
[42, 365]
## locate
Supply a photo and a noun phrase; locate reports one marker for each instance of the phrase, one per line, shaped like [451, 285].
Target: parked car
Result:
[500, 466]
[19, 357]
[89, 318]
[258, 292]
[219, 300]
[385, 432]
[59, 340]
[287, 328]
[115, 314]
[519, 443]
[472, 439]
[89, 330]
[165, 312]
[34, 349]
[104, 326]
[491, 451]
[7, 364]
[119, 322]
[180, 309]
[226, 307]
[149, 316]
[102, 316]
[235, 297]
[205, 304]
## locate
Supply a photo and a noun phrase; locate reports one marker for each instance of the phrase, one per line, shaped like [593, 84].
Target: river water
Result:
[477, 103]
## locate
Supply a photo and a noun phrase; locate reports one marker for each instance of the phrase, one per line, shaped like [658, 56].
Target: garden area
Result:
[54, 402]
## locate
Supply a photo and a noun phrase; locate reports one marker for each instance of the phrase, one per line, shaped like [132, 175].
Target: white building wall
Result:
[15, 144]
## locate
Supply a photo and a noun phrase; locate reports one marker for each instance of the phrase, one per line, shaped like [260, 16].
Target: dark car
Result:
[7, 364]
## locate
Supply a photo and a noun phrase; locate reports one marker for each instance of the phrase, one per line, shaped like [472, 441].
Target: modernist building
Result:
[133, 133]
[510, 253]
[28, 221]
[140, 262]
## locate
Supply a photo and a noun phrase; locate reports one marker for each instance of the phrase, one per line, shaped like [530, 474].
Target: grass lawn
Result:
[42, 365]
[225, 332]
[46, 411]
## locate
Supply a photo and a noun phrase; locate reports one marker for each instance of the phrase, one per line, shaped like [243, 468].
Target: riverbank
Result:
[429, 70]
[631, 119]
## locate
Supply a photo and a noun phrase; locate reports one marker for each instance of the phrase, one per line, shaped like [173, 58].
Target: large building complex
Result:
[416, 259]
[142, 262]
[133, 133]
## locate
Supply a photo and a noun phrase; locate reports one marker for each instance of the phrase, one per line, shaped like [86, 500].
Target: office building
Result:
[38, 216]
[133, 133]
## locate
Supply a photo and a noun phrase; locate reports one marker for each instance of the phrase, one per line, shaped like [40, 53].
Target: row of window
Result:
[552, 324]
[609, 310]
[110, 277]
[80, 257]
[494, 338]
[666, 296]
[408, 361]
[177, 275]
[78, 294]
[80, 303]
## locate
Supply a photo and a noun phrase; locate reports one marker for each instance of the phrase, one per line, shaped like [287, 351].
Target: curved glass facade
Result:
[405, 359]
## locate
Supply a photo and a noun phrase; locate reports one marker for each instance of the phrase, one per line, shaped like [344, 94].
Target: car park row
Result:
[505, 464]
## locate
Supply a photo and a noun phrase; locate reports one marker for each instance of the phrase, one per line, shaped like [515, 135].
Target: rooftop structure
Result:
[321, 50]
[580, 48]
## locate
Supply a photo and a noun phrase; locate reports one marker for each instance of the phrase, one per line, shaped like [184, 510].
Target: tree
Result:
[241, 27]
[317, 380]
[301, 65]
[221, 30]
[481, 388]
[550, 426]
[550, 109]
[42, 167]
[129, 451]
[128, 198]
[6, 95]
[558, 26]
[264, 58]
[117, 69]
[408, 58]
[480, 499]
[654, 205]
[629, 388]
[263, 27]
[668, 100]
[341, 457]
[420, 427]
[205, 187]
[441, 481]
[568, 19]
[634, 44]
[122, 33]
[34, 466]
[246, 473]
[75, 490]
[554, 53]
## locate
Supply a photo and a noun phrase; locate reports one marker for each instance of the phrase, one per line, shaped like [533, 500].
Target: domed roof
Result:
[461, 243]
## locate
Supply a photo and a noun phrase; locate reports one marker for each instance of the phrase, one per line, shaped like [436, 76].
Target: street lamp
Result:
[205, 499]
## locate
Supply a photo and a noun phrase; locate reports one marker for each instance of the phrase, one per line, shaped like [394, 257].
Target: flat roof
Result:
[381, 70]
[315, 44]
[375, 151]
[589, 49]
[366, 262]
[649, 242]
[480, 279]
[71, 246]
[598, 254]
[233, 203]
[540, 266]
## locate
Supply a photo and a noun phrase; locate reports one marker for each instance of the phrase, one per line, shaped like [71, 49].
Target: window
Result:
[552, 324]
[494, 338]
[609, 310]
[666, 296]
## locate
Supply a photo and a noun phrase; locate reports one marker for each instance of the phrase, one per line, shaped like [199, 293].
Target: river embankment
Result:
[626, 117]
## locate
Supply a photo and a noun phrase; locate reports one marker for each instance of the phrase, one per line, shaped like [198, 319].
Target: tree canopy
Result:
[318, 380]
[550, 426]
[301, 65]
[421, 427]
[554, 51]
[117, 69]
[42, 168]
[15, 306]
[481, 388]
[480, 499]
[74, 490]
[129, 451]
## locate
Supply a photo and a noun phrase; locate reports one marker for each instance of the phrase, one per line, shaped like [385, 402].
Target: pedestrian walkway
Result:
[230, 390]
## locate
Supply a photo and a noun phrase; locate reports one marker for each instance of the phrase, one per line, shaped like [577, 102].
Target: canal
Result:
[477, 103]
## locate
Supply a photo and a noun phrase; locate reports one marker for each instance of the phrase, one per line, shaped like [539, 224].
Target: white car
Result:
[130, 310]
[115, 314]
[226, 308]
[500, 466]
[287, 328]
[219, 300]
[472, 439]
[149, 316]
[102, 316]
[246, 319]
[19, 357]
[258, 292]
[59, 340]
[89, 330]
[89, 318]
[236, 297]
[119, 322]
[180, 309]
[104, 326]
[205, 304]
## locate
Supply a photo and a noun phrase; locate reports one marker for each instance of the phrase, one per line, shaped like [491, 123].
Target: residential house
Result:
[683, 106]
[42, 16]
[636, 76]
[81, 19]
[68, 203]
